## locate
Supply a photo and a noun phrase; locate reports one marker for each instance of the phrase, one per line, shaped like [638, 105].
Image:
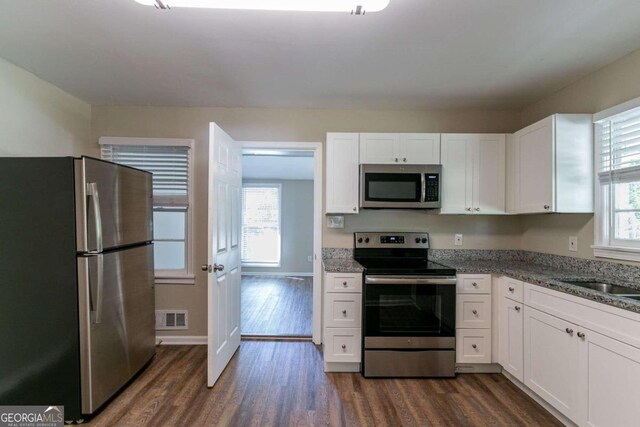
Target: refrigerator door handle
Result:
[92, 192]
[100, 289]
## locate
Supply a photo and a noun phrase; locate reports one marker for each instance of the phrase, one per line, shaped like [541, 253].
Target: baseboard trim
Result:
[181, 340]
[267, 273]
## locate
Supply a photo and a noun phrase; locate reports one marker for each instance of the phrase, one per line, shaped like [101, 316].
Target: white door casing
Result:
[223, 251]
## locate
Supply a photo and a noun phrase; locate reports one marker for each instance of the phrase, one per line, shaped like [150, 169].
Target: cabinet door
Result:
[457, 173]
[535, 167]
[489, 175]
[609, 381]
[511, 337]
[342, 173]
[379, 148]
[420, 148]
[551, 353]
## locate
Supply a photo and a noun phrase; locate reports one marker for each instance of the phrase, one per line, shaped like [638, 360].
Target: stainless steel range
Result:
[409, 307]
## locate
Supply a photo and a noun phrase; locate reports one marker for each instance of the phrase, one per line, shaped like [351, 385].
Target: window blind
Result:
[168, 164]
[619, 138]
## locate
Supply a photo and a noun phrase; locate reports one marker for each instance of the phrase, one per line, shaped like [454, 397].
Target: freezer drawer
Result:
[114, 205]
[117, 330]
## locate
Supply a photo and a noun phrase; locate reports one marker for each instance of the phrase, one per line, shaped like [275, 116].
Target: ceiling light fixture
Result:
[355, 7]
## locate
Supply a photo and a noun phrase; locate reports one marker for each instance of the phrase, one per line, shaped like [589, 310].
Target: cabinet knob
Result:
[396, 160]
[474, 346]
[546, 207]
[344, 347]
[511, 289]
[581, 335]
[474, 284]
[517, 309]
[569, 331]
[477, 209]
[475, 312]
[344, 284]
[469, 209]
[404, 159]
[344, 312]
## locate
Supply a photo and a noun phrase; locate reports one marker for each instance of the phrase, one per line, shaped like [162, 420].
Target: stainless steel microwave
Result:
[400, 186]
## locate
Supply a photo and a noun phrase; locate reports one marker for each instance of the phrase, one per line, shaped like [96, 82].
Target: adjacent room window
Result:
[618, 183]
[261, 224]
[170, 163]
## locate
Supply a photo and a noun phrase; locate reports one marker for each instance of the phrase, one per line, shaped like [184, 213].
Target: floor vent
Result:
[171, 319]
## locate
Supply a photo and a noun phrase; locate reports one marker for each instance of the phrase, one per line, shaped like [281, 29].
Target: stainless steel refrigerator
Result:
[76, 281]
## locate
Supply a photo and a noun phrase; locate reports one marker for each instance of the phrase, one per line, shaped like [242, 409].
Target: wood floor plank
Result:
[270, 383]
[276, 305]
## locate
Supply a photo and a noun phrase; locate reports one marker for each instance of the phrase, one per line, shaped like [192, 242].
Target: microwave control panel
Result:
[432, 190]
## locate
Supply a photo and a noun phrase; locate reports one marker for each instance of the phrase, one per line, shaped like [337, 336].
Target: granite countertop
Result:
[342, 265]
[548, 277]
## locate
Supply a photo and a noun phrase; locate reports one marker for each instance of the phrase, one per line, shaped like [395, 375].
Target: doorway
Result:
[281, 212]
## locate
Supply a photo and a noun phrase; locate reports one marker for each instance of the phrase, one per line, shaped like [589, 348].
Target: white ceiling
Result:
[277, 167]
[415, 54]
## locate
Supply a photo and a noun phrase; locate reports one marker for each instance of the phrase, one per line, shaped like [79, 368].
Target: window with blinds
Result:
[618, 167]
[261, 224]
[170, 166]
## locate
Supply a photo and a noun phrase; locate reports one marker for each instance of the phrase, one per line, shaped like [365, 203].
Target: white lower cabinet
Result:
[342, 320]
[609, 382]
[550, 360]
[581, 357]
[511, 337]
[473, 346]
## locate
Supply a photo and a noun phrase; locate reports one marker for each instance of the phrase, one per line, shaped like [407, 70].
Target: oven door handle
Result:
[409, 280]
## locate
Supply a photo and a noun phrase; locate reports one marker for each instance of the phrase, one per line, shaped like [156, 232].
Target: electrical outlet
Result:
[573, 243]
[458, 240]
[310, 258]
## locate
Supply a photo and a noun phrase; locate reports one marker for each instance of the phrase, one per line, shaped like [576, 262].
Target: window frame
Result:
[605, 243]
[264, 185]
[185, 276]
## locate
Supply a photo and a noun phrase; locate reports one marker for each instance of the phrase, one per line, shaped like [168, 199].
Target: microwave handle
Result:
[423, 182]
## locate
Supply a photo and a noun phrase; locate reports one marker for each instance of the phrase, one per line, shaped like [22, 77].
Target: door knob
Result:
[211, 268]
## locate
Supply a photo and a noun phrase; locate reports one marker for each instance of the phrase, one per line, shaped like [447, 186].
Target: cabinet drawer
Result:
[473, 311]
[473, 284]
[473, 346]
[343, 310]
[512, 288]
[344, 282]
[342, 345]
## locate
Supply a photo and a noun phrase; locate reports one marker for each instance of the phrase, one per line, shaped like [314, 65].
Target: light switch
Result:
[573, 243]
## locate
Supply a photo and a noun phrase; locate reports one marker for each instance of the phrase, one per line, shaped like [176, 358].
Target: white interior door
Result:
[223, 253]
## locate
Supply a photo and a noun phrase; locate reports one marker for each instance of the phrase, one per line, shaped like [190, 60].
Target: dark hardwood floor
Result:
[276, 305]
[282, 384]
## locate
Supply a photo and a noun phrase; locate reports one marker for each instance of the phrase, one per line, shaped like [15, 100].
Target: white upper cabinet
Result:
[342, 173]
[553, 169]
[400, 148]
[473, 173]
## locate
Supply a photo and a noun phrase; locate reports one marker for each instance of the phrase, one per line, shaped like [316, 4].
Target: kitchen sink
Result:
[633, 297]
[607, 288]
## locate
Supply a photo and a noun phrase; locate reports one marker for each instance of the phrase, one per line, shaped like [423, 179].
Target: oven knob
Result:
[417, 240]
[366, 240]
[360, 240]
[424, 240]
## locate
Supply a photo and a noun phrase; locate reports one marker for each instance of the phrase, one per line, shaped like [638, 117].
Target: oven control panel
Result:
[391, 240]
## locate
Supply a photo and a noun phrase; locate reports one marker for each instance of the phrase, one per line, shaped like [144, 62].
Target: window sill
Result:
[175, 280]
[617, 252]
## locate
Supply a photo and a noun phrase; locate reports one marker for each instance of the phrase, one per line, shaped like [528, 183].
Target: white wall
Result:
[296, 227]
[39, 119]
